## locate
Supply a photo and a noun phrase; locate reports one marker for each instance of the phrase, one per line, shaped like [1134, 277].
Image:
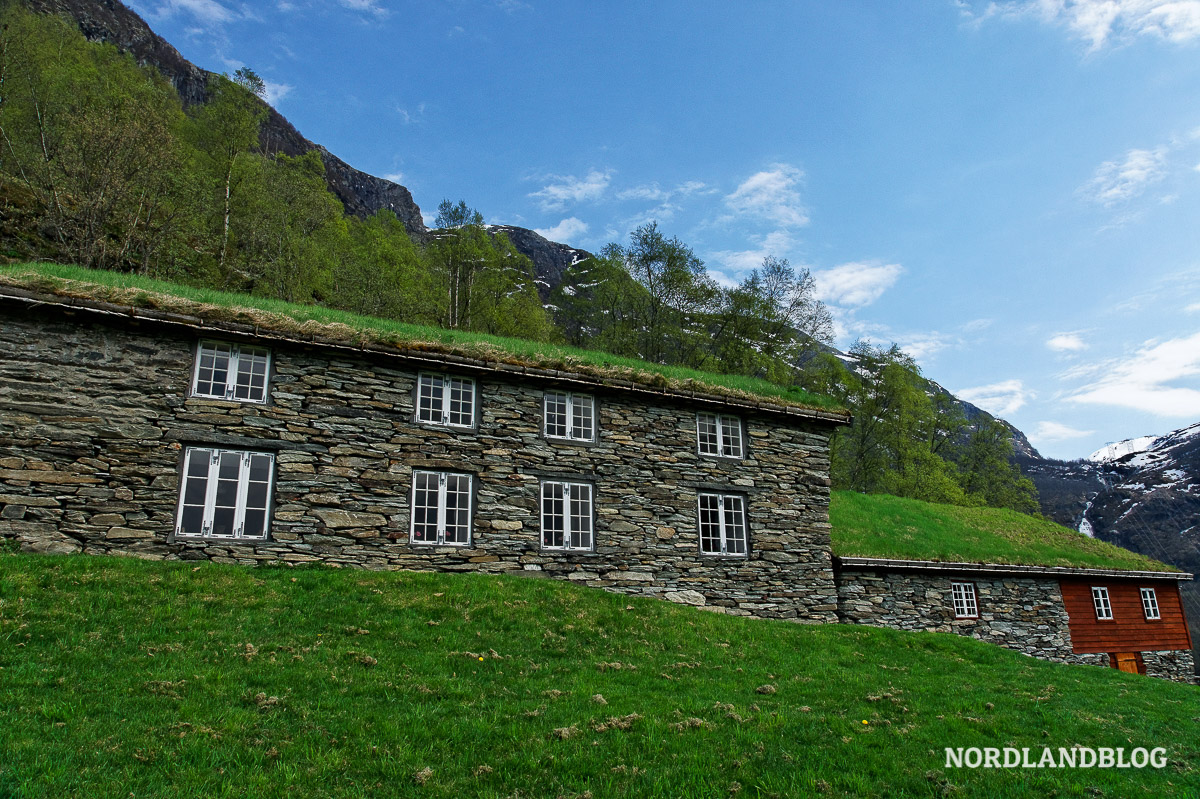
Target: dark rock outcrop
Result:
[550, 259]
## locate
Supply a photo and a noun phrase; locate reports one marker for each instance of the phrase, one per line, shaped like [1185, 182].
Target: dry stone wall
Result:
[95, 415]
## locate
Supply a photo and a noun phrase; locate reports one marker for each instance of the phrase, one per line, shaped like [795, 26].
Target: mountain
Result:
[1142, 494]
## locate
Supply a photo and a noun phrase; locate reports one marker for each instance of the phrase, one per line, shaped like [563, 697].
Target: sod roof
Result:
[244, 314]
[881, 527]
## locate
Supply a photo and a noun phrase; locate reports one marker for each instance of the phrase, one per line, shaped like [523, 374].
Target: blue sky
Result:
[1010, 191]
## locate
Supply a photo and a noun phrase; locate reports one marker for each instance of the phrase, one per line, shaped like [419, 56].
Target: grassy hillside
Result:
[880, 526]
[135, 290]
[130, 678]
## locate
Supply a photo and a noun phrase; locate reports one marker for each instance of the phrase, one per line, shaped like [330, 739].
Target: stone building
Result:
[195, 435]
[1131, 620]
[167, 435]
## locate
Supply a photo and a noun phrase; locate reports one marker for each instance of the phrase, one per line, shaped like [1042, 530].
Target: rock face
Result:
[110, 21]
[550, 259]
[96, 420]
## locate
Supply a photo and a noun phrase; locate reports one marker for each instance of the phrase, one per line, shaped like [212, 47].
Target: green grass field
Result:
[130, 289]
[126, 678]
[880, 526]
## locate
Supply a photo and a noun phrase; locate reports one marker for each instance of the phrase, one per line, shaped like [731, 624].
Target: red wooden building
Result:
[1124, 618]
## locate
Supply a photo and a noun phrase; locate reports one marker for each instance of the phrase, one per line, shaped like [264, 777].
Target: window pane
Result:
[553, 519]
[731, 436]
[212, 375]
[556, 415]
[223, 519]
[251, 375]
[429, 399]
[710, 523]
[255, 525]
[458, 509]
[706, 433]
[582, 418]
[735, 526]
[192, 520]
[425, 506]
[462, 402]
[581, 516]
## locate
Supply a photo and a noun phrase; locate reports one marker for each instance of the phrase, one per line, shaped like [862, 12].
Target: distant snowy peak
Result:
[1148, 451]
[1121, 449]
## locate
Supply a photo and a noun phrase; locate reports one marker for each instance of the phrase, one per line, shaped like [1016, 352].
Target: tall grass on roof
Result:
[139, 291]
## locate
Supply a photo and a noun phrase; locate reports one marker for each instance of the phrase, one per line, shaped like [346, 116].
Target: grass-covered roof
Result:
[887, 527]
[318, 322]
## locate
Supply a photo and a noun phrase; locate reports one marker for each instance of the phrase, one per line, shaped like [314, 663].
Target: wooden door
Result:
[1127, 661]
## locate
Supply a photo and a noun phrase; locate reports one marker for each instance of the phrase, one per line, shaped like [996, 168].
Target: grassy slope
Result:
[128, 678]
[883, 526]
[132, 289]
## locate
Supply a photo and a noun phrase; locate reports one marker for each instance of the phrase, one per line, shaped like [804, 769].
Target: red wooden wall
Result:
[1129, 630]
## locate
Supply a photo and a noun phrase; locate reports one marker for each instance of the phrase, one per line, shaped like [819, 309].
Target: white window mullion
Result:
[210, 494]
[441, 518]
[721, 509]
[239, 514]
[231, 377]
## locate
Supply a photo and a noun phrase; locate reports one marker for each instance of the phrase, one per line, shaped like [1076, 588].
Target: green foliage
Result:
[177, 679]
[907, 442]
[880, 526]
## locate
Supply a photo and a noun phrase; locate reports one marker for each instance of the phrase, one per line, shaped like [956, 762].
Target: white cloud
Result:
[771, 194]
[410, 117]
[738, 262]
[394, 177]
[568, 189]
[652, 192]
[1066, 342]
[365, 7]
[210, 12]
[1116, 182]
[1193, 308]
[564, 231]
[856, 284]
[1148, 380]
[924, 346]
[999, 399]
[276, 91]
[1050, 432]
[1101, 21]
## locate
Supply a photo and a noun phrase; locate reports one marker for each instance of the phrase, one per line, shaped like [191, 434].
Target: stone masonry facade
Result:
[1023, 613]
[96, 414]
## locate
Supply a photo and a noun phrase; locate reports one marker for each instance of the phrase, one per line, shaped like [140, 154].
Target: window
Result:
[232, 372]
[719, 435]
[441, 508]
[1150, 603]
[1100, 600]
[570, 416]
[722, 524]
[446, 400]
[224, 493]
[963, 596]
[566, 515]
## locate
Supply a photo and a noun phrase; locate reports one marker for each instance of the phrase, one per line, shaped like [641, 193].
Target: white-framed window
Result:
[569, 416]
[446, 400]
[231, 371]
[719, 435]
[722, 522]
[441, 508]
[963, 597]
[1101, 601]
[224, 493]
[566, 515]
[1150, 603]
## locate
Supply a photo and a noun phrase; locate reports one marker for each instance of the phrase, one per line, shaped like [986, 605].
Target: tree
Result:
[677, 293]
[224, 129]
[93, 137]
